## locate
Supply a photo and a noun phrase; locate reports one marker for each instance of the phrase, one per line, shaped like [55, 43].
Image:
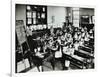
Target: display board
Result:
[20, 30]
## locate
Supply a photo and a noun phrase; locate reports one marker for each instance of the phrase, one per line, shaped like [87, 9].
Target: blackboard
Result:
[20, 30]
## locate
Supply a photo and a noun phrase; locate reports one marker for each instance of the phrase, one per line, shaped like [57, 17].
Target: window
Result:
[36, 15]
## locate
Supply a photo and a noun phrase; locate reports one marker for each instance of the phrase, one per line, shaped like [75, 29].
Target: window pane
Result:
[29, 14]
[43, 15]
[34, 21]
[34, 14]
[43, 9]
[29, 21]
[28, 8]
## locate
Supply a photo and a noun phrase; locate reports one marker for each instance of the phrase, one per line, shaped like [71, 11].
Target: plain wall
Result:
[21, 13]
[59, 14]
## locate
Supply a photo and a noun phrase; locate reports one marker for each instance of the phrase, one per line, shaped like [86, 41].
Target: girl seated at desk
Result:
[67, 51]
[39, 55]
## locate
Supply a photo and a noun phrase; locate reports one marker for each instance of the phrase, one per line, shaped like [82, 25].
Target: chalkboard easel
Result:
[22, 39]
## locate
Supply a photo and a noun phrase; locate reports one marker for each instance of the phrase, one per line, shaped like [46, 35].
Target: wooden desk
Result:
[86, 49]
[84, 54]
[76, 61]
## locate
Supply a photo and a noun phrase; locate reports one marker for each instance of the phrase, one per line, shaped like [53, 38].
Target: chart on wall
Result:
[20, 30]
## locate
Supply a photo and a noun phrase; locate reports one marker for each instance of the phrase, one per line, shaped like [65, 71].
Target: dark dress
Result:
[27, 53]
[32, 43]
[36, 59]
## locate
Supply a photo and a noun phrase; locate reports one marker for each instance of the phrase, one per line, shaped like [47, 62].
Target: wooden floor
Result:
[47, 67]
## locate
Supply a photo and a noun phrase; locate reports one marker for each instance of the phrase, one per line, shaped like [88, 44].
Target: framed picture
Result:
[34, 46]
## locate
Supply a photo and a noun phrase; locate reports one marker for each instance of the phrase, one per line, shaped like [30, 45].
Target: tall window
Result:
[76, 15]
